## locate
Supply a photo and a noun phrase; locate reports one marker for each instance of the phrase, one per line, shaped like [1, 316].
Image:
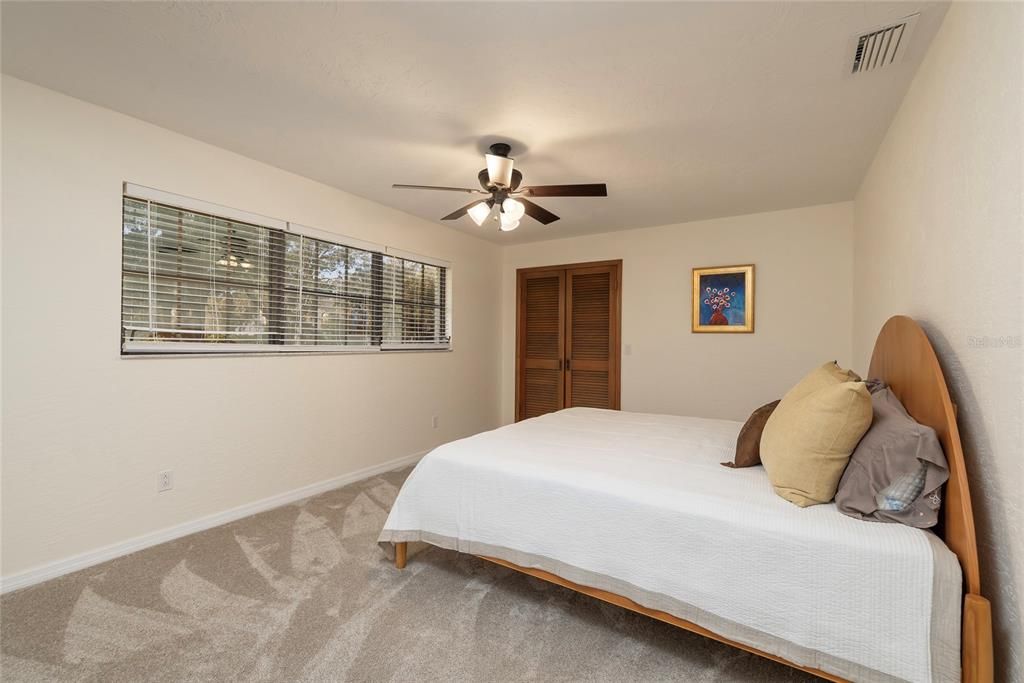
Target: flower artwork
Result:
[718, 301]
[723, 299]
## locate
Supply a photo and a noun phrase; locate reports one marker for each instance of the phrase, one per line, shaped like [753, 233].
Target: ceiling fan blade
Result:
[585, 190]
[398, 186]
[538, 213]
[459, 213]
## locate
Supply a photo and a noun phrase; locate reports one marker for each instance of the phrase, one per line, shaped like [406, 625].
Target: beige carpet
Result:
[303, 593]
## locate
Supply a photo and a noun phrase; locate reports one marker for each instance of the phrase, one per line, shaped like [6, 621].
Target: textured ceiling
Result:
[687, 111]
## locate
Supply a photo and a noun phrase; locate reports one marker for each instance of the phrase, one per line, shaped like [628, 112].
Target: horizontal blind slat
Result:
[199, 280]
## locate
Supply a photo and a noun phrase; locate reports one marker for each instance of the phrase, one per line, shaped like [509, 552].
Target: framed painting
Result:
[723, 299]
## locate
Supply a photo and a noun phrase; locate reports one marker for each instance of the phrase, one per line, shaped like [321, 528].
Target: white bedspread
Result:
[643, 499]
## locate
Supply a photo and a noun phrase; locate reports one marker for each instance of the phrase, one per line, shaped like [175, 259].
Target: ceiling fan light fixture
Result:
[513, 208]
[479, 212]
[499, 170]
[499, 182]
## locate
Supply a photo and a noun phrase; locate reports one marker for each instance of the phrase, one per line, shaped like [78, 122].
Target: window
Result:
[222, 281]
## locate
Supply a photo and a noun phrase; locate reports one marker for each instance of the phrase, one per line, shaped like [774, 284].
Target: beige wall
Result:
[803, 275]
[85, 431]
[938, 236]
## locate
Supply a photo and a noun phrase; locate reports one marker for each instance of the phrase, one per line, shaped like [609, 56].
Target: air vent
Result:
[883, 46]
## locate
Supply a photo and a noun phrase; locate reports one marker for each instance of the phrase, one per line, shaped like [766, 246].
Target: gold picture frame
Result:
[723, 299]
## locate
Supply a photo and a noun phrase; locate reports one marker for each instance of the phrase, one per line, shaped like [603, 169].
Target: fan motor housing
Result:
[485, 180]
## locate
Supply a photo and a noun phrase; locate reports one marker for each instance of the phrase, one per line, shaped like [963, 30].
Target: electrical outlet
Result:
[434, 422]
[165, 480]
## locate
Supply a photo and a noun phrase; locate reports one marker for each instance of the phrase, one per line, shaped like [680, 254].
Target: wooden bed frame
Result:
[905, 360]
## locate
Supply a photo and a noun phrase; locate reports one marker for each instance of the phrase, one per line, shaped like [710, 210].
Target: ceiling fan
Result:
[506, 201]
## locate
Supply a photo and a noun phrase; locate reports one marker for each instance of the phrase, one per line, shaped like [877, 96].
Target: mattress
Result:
[639, 504]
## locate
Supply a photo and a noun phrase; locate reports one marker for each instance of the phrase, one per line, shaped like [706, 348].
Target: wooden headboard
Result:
[905, 360]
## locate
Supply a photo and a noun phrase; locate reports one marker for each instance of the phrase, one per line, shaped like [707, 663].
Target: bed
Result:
[634, 509]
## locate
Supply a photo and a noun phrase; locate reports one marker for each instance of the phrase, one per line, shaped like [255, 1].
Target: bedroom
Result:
[192, 490]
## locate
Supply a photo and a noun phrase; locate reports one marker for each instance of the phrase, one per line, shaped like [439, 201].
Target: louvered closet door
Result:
[592, 346]
[540, 378]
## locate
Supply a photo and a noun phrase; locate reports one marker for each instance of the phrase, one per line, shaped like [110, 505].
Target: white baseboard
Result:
[52, 570]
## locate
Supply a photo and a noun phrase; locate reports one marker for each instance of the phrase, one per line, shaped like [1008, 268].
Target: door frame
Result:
[615, 373]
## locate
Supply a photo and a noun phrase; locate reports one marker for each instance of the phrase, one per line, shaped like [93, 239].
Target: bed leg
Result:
[401, 547]
[976, 646]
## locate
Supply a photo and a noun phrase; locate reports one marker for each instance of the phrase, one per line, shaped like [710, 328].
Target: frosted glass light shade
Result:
[513, 209]
[499, 170]
[479, 212]
[508, 224]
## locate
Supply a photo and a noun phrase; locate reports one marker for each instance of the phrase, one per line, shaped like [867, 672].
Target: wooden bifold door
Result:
[567, 337]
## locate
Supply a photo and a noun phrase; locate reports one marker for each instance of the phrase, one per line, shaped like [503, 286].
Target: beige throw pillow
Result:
[807, 441]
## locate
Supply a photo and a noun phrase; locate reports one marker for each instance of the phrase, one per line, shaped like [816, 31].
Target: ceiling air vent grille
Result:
[883, 46]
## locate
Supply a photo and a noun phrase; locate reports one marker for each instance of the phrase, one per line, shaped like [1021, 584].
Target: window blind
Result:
[194, 281]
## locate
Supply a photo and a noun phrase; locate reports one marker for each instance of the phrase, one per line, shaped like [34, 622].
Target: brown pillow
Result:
[748, 444]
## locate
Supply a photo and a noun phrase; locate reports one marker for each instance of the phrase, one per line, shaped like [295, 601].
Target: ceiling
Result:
[687, 110]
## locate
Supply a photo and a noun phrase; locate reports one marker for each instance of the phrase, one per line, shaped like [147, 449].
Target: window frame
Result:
[277, 288]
